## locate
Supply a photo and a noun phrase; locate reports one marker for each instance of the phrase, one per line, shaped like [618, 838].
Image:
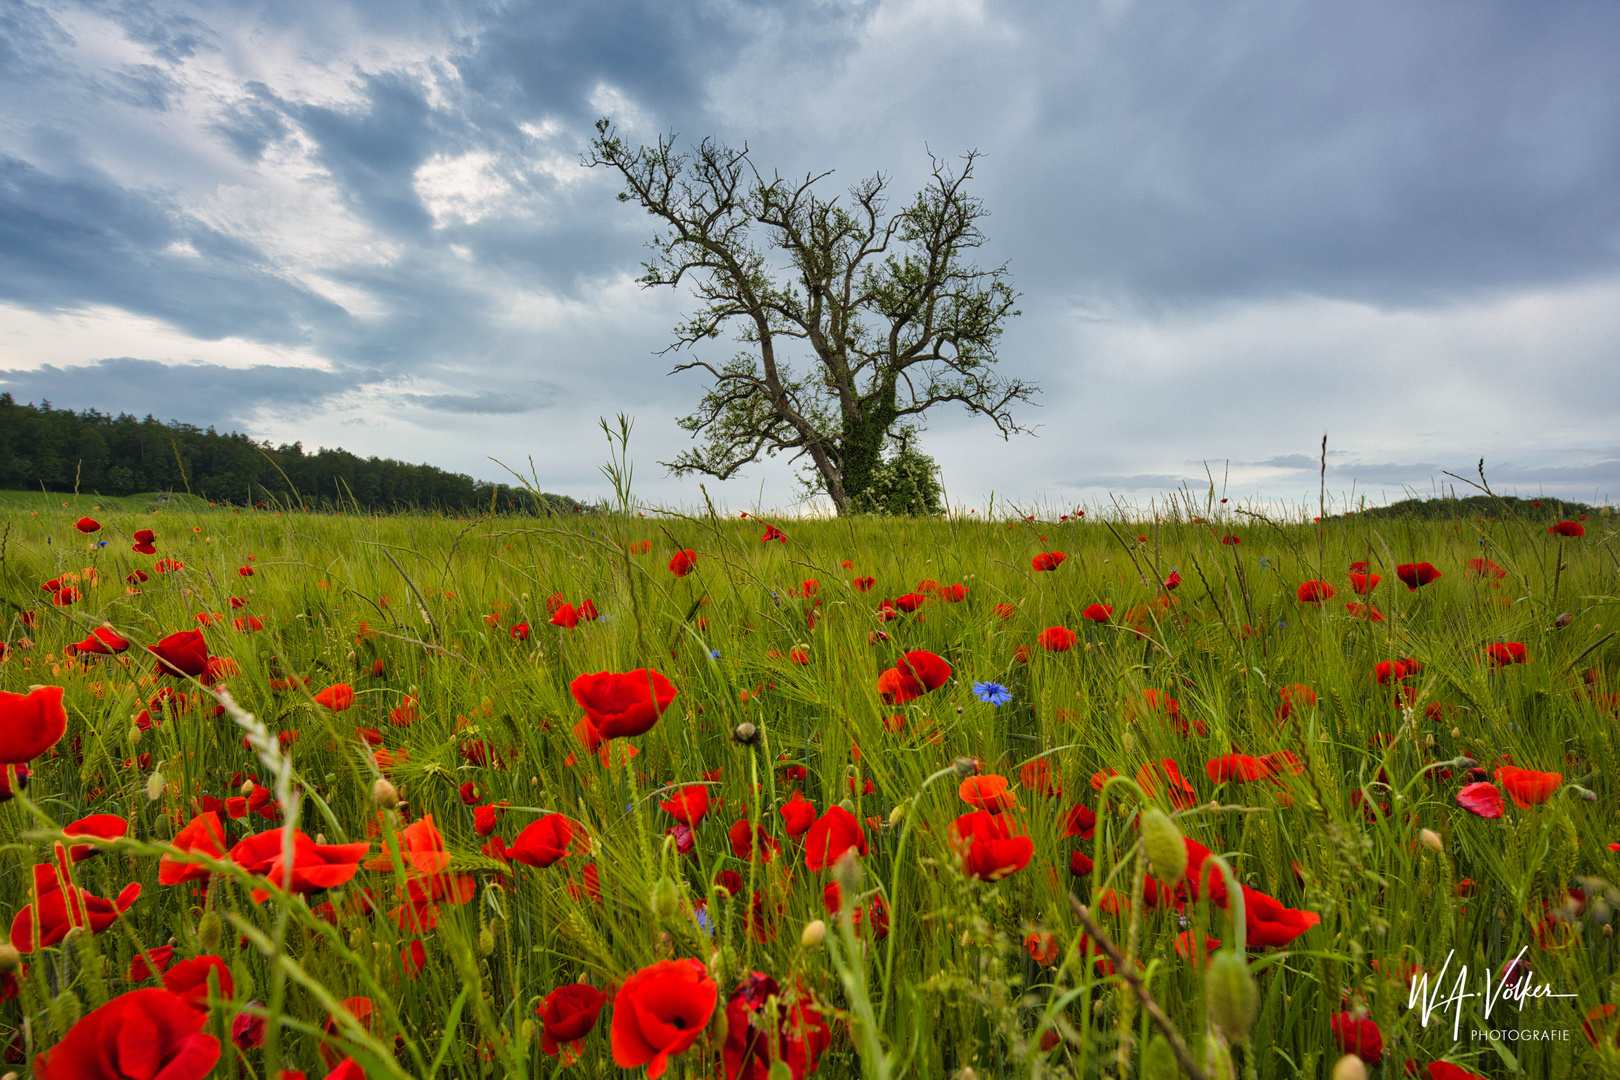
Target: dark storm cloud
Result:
[1381, 150]
[1144, 161]
[77, 240]
[201, 394]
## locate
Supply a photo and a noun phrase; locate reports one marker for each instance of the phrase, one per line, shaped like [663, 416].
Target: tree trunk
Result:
[861, 446]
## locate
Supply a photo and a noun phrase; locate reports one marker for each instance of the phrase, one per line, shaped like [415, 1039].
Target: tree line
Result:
[92, 452]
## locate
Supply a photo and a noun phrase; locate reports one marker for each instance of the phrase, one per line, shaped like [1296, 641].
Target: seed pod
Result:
[746, 734]
[1159, 1061]
[1230, 995]
[815, 932]
[1166, 850]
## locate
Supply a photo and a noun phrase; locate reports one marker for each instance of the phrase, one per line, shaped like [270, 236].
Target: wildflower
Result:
[912, 676]
[660, 1011]
[147, 1032]
[1416, 575]
[992, 693]
[568, 1014]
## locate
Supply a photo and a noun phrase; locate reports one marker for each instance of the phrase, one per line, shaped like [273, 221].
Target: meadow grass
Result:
[429, 603]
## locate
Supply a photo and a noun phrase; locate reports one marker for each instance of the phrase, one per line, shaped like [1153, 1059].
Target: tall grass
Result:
[953, 985]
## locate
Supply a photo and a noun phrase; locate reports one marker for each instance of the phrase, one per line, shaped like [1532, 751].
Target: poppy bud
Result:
[320, 838]
[486, 941]
[134, 736]
[897, 814]
[1456, 733]
[847, 805]
[1350, 1067]
[815, 932]
[967, 1073]
[779, 1071]
[966, 766]
[1159, 1061]
[847, 872]
[746, 734]
[385, 794]
[246, 789]
[1166, 850]
[209, 931]
[526, 1031]
[1230, 995]
[664, 899]
[1431, 840]
[66, 1010]
[154, 787]
[10, 958]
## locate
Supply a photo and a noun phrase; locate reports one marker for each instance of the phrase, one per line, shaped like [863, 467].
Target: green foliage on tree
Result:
[854, 321]
[61, 450]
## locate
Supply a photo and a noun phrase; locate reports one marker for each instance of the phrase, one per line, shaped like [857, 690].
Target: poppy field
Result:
[1209, 794]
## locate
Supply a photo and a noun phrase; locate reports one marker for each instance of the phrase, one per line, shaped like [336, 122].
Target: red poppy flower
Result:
[1173, 582]
[1230, 767]
[565, 617]
[314, 866]
[1567, 528]
[61, 910]
[1080, 821]
[681, 563]
[1097, 613]
[142, 1035]
[623, 704]
[912, 676]
[801, 1033]
[30, 724]
[689, 806]
[102, 641]
[987, 791]
[1363, 584]
[988, 847]
[863, 584]
[1504, 653]
[1485, 568]
[1050, 560]
[189, 979]
[1180, 793]
[730, 881]
[1042, 777]
[1526, 787]
[336, 698]
[182, 653]
[752, 845]
[1267, 923]
[834, 833]
[798, 814]
[910, 601]
[1482, 799]
[1416, 575]
[144, 539]
[1080, 864]
[1057, 639]
[87, 525]
[660, 1011]
[587, 610]
[1005, 611]
[204, 835]
[1314, 592]
[773, 533]
[104, 826]
[1359, 1037]
[549, 840]
[1229, 540]
[568, 1014]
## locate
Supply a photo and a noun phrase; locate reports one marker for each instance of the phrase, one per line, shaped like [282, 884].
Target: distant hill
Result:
[1472, 506]
[58, 450]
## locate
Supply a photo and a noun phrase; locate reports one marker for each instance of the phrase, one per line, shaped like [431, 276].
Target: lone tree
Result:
[856, 321]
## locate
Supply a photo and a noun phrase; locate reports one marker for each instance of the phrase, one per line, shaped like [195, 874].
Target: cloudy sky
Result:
[1235, 226]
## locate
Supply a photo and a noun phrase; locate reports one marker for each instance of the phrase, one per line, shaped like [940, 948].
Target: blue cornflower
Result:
[702, 917]
[714, 654]
[992, 693]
